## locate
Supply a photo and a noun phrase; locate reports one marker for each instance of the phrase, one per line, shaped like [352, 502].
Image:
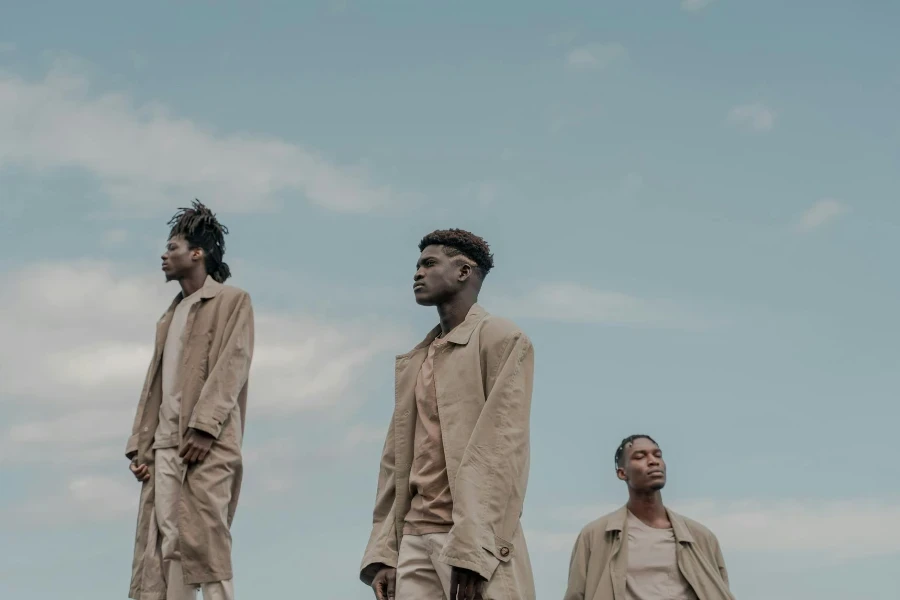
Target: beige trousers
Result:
[420, 575]
[169, 477]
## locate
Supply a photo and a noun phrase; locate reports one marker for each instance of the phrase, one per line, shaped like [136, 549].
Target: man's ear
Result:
[465, 271]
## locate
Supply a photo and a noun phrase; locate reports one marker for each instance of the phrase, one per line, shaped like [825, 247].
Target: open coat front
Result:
[483, 378]
[599, 563]
[218, 347]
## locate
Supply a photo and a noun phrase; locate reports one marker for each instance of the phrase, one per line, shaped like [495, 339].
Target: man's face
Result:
[178, 259]
[643, 467]
[438, 276]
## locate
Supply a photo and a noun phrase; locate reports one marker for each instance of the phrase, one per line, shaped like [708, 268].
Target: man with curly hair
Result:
[185, 446]
[644, 550]
[454, 468]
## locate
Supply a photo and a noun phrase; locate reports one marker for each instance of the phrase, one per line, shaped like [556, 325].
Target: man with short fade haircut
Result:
[645, 551]
[185, 445]
[455, 462]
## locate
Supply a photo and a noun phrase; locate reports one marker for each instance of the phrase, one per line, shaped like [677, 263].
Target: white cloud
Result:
[820, 213]
[595, 56]
[695, 5]
[84, 334]
[143, 156]
[577, 303]
[753, 117]
[85, 498]
[820, 530]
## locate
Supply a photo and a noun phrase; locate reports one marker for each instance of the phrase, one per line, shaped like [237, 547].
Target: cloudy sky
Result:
[693, 206]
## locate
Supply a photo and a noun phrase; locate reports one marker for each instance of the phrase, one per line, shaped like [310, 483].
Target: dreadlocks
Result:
[200, 228]
[460, 242]
[620, 451]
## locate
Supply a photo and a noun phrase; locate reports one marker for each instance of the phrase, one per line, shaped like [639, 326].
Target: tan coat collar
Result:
[460, 334]
[210, 289]
[679, 527]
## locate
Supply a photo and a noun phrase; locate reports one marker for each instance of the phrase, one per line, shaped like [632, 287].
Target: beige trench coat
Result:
[600, 560]
[483, 379]
[218, 347]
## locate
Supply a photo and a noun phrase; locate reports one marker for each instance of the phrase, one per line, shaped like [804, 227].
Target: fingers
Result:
[202, 454]
[391, 584]
[141, 472]
[379, 586]
[454, 584]
[192, 453]
[470, 589]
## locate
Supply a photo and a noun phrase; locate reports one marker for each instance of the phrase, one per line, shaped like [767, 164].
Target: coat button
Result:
[146, 429]
[504, 551]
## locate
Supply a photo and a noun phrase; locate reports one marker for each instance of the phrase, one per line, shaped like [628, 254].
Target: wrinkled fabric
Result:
[599, 563]
[167, 432]
[483, 378]
[170, 473]
[213, 375]
[653, 572]
[431, 507]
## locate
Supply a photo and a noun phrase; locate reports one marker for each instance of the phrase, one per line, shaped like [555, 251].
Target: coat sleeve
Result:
[227, 377]
[493, 473]
[720, 562]
[578, 566]
[382, 548]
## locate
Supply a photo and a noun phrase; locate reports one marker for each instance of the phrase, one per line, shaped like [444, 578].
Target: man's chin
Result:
[425, 301]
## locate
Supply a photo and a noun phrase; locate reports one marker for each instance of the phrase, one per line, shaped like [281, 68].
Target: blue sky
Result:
[693, 207]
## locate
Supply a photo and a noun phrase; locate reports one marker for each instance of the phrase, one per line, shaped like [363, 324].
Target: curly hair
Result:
[200, 228]
[460, 242]
[620, 451]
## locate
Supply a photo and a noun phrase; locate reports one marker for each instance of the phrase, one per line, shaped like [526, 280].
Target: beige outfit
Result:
[210, 383]
[431, 507]
[652, 572]
[483, 375]
[170, 469]
[169, 476]
[420, 575]
[601, 561]
[167, 435]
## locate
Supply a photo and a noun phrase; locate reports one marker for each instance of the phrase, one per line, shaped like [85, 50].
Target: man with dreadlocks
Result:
[455, 463]
[185, 445]
[645, 551]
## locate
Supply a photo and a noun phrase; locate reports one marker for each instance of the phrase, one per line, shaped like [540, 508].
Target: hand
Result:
[385, 583]
[141, 472]
[465, 584]
[196, 446]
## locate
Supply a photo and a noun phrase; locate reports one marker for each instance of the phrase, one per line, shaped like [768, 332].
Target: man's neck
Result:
[192, 283]
[648, 507]
[454, 311]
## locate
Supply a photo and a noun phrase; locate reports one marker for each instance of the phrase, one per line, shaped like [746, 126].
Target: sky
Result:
[693, 207]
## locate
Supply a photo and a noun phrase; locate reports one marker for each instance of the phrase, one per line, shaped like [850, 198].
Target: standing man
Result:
[455, 463]
[186, 441]
[644, 551]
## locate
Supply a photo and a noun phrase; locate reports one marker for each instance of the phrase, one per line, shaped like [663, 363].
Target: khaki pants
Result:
[169, 477]
[420, 576]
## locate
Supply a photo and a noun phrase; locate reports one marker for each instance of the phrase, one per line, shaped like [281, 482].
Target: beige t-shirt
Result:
[653, 572]
[431, 508]
[167, 432]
